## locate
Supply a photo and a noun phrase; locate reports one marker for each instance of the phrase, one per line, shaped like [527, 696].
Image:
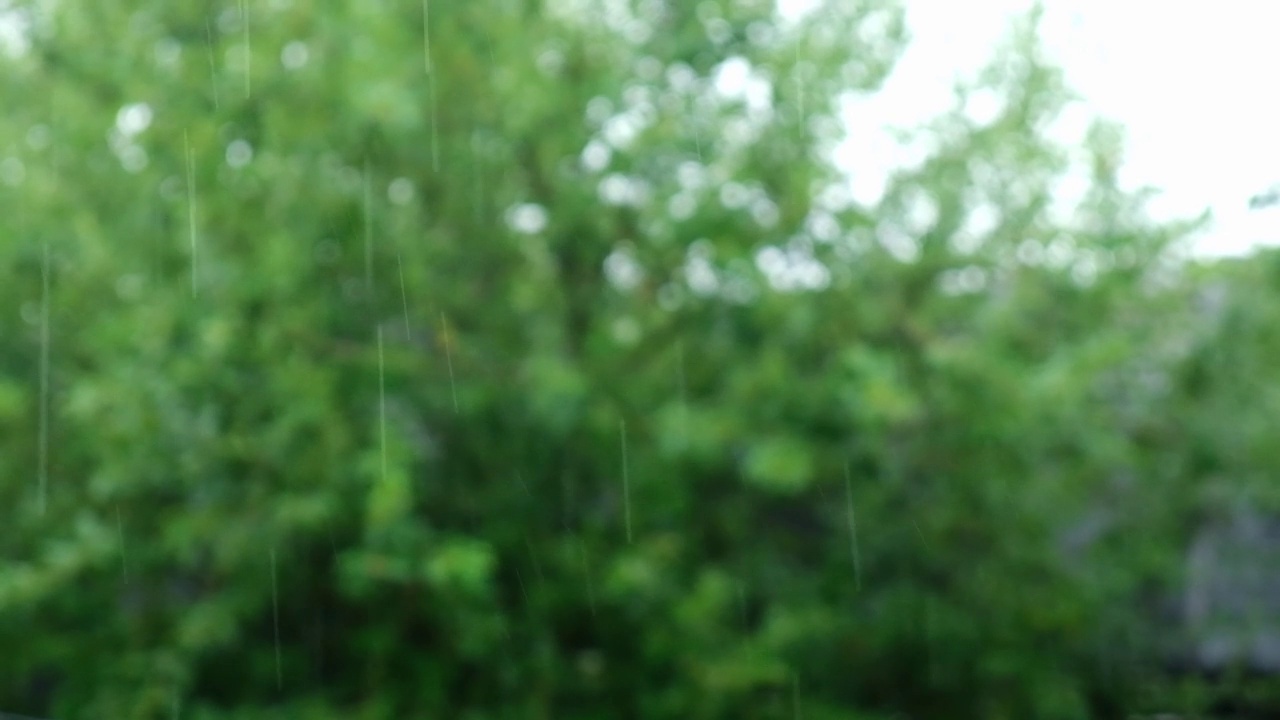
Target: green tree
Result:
[429, 360]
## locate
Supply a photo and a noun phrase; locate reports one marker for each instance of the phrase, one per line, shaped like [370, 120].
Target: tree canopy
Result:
[488, 359]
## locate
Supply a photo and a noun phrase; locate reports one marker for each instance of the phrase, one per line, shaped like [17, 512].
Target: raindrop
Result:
[239, 153]
[294, 55]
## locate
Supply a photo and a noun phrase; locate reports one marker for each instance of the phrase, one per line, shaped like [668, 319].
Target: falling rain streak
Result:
[431, 85]
[44, 379]
[191, 207]
[799, 90]
[697, 134]
[426, 36]
[447, 341]
[853, 529]
[275, 615]
[248, 50]
[435, 127]
[404, 297]
[537, 565]
[368, 232]
[626, 480]
[680, 383]
[213, 69]
[742, 603]
[124, 568]
[524, 591]
[382, 407]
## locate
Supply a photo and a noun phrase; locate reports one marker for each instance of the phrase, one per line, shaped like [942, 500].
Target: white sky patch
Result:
[1190, 82]
[133, 119]
[13, 33]
[527, 218]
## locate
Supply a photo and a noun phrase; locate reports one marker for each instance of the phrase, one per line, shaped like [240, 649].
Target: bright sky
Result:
[1192, 82]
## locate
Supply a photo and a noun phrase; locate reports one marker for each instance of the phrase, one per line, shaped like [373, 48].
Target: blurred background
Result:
[637, 359]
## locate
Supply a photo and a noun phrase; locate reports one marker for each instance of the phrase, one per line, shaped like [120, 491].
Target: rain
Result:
[563, 358]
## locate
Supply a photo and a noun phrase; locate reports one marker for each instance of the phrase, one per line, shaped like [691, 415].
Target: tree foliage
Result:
[381, 359]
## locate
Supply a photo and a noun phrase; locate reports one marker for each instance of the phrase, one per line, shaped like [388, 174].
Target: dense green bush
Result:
[344, 374]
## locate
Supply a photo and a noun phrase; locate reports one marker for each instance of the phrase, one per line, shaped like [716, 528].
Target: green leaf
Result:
[462, 564]
[784, 465]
